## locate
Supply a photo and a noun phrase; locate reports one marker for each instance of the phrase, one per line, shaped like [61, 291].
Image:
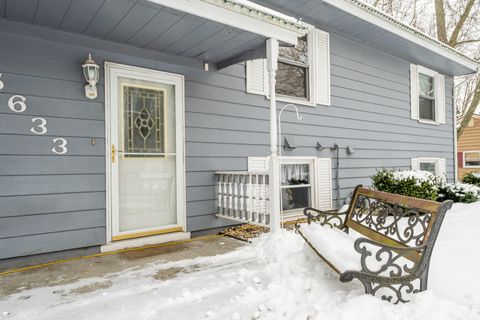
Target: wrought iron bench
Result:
[383, 240]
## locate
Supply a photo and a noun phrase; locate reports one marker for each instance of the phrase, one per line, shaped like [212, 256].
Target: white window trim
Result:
[312, 177]
[464, 159]
[315, 62]
[439, 103]
[316, 200]
[440, 170]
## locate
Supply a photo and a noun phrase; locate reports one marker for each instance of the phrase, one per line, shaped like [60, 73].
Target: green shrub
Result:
[472, 178]
[424, 185]
[418, 184]
[459, 192]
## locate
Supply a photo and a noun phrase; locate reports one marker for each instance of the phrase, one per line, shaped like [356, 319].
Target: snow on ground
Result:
[276, 277]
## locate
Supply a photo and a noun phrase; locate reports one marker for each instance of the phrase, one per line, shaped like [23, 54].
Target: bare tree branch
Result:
[461, 22]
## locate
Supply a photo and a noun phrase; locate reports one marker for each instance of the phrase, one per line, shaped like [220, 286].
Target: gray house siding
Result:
[50, 202]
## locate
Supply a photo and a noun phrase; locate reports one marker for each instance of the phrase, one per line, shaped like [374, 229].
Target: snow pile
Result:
[460, 188]
[418, 175]
[276, 277]
[476, 174]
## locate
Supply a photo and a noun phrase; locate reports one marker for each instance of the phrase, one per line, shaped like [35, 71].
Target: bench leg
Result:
[394, 292]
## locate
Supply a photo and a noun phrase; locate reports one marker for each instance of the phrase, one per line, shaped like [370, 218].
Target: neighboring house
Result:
[187, 88]
[468, 149]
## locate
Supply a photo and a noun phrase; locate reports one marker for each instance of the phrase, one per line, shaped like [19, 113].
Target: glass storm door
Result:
[146, 135]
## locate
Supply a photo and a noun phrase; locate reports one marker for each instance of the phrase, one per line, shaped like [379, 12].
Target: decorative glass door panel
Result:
[146, 169]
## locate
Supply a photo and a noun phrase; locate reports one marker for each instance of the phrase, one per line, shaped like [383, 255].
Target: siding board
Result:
[65, 195]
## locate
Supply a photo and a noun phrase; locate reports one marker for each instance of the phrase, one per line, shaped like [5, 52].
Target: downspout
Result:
[274, 172]
[455, 142]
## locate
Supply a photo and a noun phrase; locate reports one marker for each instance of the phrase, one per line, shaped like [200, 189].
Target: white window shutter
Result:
[257, 76]
[415, 164]
[322, 67]
[440, 98]
[442, 167]
[323, 183]
[258, 164]
[414, 100]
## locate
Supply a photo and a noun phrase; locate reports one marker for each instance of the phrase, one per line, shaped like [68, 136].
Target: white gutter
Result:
[372, 15]
[241, 16]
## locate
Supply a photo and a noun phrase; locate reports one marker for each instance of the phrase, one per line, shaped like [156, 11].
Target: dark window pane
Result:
[291, 80]
[426, 85]
[427, 109]
[299, 53]
[428, 166]
[295, 198]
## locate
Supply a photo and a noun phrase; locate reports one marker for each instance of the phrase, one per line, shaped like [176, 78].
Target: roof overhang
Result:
[242, 15]
[362, 22]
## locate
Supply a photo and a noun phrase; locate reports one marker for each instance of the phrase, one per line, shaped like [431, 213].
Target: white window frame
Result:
[320, 176]
[312, 177]
[432, 74]
[310, 100]
[464, 159]
[319, 83]
[439, 94]
[439, 163]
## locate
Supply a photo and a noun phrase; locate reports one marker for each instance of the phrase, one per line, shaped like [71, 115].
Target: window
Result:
[293, 70]
[303, 73]
[427, 95]
[436, 166]
[471, 159]
[471, 123]
[305, 181]
[296, 186]
[429, 166]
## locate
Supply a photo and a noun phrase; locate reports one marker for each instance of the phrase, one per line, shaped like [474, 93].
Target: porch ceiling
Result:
[347, 18]
[138, 23]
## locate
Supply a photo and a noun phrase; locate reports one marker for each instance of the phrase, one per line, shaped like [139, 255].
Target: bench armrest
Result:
[330, 218]
[387, 259]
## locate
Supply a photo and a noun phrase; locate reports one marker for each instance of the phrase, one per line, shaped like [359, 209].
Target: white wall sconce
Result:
[91, 72]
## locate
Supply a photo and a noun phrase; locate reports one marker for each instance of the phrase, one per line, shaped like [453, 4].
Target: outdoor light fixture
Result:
[350, 150]
[288, 144]
[91, 72]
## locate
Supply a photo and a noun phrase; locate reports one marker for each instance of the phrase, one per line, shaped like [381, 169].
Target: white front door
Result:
[146, 141]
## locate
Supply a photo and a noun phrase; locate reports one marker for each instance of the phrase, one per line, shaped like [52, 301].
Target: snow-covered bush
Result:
[418, 184]
[472, 178]
[459, 192]
[424, 185]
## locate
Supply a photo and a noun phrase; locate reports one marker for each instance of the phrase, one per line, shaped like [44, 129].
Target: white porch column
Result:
[274, 183]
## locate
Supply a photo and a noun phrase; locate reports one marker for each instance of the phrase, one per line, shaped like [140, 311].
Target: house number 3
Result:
[60, 146]
[39, 126]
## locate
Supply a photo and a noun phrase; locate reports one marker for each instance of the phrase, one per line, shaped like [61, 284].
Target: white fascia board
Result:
[231, 18]
[349, 7]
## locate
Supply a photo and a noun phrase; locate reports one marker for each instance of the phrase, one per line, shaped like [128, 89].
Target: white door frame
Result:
[112, 72]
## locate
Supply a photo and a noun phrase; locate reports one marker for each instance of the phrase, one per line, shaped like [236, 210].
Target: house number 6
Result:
[16, 103]
[39, 126]
[60, 146]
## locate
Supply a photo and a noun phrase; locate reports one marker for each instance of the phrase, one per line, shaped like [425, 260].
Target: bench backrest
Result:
[394, 219]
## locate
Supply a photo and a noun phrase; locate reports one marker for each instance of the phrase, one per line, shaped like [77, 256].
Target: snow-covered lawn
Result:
[276, 277]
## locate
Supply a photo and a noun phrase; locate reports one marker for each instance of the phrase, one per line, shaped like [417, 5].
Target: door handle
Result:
[113, 153]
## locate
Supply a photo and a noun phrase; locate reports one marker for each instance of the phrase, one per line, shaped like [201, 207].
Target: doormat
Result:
[245, 232]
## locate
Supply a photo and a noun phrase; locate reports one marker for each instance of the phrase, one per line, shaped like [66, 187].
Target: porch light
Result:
[91, 72]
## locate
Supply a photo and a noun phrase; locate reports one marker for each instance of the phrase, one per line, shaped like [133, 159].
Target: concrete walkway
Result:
[72, 271]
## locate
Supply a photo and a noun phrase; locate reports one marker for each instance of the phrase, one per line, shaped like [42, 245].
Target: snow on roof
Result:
[252, 9]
